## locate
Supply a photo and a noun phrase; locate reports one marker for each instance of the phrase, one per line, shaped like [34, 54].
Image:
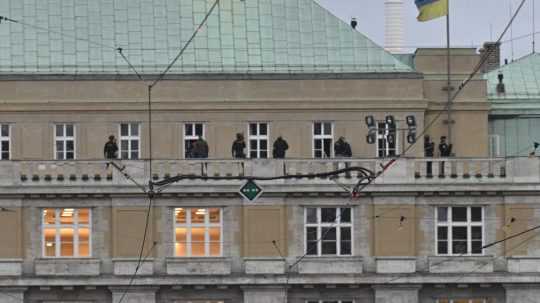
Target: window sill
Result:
[127, 266]
[67, 267]
[460, 264]
[331, 265]
[11, 267]
[198, 266]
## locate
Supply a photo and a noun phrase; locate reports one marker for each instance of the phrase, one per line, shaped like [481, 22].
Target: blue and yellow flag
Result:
[431, 9]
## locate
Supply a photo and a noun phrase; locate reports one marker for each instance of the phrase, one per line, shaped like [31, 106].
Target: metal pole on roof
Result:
[534, 27]
[448, 70]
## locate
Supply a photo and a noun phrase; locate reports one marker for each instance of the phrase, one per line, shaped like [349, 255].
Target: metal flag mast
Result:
[448, 70]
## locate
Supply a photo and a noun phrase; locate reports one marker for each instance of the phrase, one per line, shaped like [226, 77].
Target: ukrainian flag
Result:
[431, 9]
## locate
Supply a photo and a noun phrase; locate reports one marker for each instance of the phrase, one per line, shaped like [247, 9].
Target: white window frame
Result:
[193, 136]
[337, 224]
[384, 137]
[5, 139]
[259, 138]
[449, 224]
[329, 301]
[129, 138]
[58, 226]
[206, 225]
[64, 139]
[457, 299]
[322, 136]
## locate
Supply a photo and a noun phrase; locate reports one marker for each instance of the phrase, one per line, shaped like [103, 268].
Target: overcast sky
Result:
[472, 23]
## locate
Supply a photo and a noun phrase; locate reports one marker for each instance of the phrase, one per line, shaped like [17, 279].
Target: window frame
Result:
[65, 138]
[191, 137]
[259, 138]
[322, 137]
[4, 139]
[384, 137]
[206, 225]
[58, 226]
[320, 225]
[449, 224]
[129, 138]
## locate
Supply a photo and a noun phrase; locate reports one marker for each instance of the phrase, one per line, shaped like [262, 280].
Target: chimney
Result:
[394, 26]
[493, 51]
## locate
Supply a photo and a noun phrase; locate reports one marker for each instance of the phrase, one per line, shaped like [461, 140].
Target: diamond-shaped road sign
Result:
[250, 190]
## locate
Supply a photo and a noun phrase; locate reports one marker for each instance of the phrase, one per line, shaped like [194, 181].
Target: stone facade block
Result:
[12, 294]
[138, 294]
[67, 267]
[11, 267]
[523, 264]
[395, 265]
[331, 265]
[483, 264]
[198, 266]
[396, 294]
[522, 293]
[270, 294]
[264, 266]
[127, 267]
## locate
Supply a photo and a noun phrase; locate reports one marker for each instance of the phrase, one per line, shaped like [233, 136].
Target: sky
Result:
[472, 22]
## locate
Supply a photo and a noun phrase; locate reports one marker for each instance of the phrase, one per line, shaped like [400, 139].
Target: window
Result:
[258, 140]
[330, 301]
[387, 140]
[5, 143]
[130, 141]
[462, 301]
[66, 232]
[192, 131]
[198, 232]
[328, 231]
[323, 139]
[495, 146]
[64, 141]
[460, 230]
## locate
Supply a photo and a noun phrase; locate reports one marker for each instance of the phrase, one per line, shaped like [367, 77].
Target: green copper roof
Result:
[242, 36]
[522, 84]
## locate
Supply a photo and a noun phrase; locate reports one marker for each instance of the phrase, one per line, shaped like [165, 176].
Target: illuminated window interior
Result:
[198, 232]
[66, 232]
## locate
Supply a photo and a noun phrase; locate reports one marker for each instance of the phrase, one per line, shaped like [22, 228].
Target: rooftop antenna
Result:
[511, 34]
[533, 27]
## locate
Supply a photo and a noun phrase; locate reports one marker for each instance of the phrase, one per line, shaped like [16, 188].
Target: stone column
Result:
[12, 294]
[264, 294]
[134, 294]
[397, 293]
[522, 293]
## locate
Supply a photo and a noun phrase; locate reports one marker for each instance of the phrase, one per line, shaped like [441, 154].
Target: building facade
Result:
[76, 228]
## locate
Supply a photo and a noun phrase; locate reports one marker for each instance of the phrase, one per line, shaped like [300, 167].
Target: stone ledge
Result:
[331, 265]
[127, 267]
[198, 266]
[11, 267]
[395, 265]
[255, 266]
[67, 267]
[450, 264]
[523, 264]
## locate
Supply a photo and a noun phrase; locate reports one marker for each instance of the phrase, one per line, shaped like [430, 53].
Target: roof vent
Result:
[354, 23]
[500, 86]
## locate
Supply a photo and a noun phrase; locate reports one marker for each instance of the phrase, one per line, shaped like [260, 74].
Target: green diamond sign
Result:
[250, 190]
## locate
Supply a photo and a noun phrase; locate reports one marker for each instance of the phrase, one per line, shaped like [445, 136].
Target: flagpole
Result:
[448, 66]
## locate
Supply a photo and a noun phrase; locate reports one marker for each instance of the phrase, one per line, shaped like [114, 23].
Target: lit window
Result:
[130, 141]
[328, 231]
[198, 232]
[387, 140]
[192, 131]
[5, 143]
[323, 139]
[258, 140]
[64, 141]
[460, 230]
[66, 232]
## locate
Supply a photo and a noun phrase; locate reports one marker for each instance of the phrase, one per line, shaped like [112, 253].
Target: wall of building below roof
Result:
[515, 136]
